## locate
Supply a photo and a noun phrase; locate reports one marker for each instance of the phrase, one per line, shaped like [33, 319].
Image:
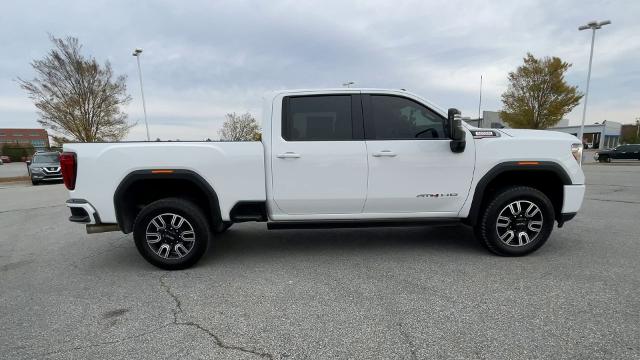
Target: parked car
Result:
[330, 158]
[1, 163]
[45, 166]
[5, 159]
[620, 152]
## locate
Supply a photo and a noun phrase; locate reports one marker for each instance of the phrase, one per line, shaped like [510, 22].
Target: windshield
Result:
[48, 158]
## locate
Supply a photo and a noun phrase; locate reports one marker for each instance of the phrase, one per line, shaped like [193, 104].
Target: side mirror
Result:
[456, 131]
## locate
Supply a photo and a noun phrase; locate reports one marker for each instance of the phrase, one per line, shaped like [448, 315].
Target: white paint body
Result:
[328, 180]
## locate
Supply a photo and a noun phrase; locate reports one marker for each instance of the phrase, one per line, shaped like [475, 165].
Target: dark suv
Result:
[45, 166]
[620, 152]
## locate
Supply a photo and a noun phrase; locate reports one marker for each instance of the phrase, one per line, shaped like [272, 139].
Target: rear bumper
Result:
[82, 212]
[573, 196]
[46, 177]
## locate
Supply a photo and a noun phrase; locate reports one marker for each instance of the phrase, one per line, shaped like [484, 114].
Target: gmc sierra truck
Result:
[330, 158]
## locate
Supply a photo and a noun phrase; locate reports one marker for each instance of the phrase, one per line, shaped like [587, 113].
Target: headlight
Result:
[36, 169]
[576, 151]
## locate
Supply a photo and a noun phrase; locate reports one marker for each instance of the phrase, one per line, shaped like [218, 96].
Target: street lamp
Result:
[137, 53]
[593, 25]
[348, 84]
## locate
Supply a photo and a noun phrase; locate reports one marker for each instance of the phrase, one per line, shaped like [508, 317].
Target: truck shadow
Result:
[253, 240]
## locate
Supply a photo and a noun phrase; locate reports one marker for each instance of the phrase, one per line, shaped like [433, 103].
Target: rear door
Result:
[411, 166]
[319, 157]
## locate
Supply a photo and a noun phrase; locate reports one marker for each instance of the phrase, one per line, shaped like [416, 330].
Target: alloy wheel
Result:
[170, 236]
[519, 223]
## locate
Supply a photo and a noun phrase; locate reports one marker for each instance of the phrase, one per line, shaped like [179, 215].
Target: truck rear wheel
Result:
[517, 221]
[171, 233]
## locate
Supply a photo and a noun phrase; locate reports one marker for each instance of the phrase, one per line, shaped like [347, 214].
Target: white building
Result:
[599, 136]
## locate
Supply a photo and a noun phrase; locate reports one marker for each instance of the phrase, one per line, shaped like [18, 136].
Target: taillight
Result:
[69, 168]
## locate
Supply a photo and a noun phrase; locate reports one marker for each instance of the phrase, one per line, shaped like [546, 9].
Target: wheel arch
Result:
[546, 176]
[141, 187]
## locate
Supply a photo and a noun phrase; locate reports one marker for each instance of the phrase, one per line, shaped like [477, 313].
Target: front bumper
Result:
[573, 197]
[82, 212]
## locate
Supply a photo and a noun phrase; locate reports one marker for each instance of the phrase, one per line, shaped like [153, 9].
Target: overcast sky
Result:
[203, 59]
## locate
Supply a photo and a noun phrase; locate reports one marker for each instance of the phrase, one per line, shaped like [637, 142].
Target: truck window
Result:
[398, 118]
[317, 118]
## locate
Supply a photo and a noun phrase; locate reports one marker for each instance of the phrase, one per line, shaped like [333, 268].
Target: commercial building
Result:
[38, 138]
[596, 136]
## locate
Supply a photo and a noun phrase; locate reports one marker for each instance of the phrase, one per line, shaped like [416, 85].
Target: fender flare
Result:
[119, 199]
[494, 172]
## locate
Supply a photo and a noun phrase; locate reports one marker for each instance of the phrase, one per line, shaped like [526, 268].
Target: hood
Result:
[52, 164]
[538, 134]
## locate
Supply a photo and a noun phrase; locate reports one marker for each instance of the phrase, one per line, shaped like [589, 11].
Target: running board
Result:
[330, 224]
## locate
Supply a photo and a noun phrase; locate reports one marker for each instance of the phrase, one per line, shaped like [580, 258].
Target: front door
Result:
[319, 157]
[411, 166]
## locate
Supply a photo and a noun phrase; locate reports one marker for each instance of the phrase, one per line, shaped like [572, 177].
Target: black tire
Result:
[34, 182]
[171, 236]
[487, 228]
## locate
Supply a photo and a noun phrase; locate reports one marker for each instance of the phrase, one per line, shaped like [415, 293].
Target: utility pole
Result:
[137, 53]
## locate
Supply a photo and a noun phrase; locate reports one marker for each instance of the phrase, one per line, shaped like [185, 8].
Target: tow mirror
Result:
[456, 131]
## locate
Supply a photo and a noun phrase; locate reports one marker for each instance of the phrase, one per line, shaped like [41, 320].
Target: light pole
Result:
[348, 84]
[480, 101]
[137, 53]
[593, 25]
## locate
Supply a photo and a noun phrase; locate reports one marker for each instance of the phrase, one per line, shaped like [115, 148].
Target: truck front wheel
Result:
[517, 221]
[171, 233]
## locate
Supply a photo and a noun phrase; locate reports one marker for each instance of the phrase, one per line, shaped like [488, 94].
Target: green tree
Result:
[538, 95]
[77, 98]
[240, 128]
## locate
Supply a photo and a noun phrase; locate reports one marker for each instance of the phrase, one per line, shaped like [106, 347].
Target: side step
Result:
[329, 224]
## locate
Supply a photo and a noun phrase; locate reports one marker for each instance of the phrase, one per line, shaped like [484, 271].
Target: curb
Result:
[14, 179]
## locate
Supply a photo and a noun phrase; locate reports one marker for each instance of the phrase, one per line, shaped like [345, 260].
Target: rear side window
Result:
[317, 118]
[399, 118]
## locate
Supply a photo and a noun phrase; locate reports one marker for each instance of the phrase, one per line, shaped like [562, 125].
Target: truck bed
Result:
[235, 169]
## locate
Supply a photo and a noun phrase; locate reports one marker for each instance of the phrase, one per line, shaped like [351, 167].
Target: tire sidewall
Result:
[180, 207]
[506, 197]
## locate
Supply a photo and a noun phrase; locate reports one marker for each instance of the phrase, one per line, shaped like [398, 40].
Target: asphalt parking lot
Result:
[415, 293]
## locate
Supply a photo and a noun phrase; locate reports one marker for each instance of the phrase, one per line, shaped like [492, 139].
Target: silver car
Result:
[45, 166]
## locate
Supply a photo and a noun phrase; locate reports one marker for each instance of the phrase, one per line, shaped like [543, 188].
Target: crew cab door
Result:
[411, 166]
[318, 155]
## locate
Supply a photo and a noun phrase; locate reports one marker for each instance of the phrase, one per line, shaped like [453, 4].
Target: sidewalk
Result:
[14, 172]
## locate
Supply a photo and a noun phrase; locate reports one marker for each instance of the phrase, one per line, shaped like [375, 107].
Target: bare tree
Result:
[240, 128]
[77, 98]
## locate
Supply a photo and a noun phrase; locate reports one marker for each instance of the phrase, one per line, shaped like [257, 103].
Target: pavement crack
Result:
[618, 201]
[222, 344]
[177, 310]
[407, 339]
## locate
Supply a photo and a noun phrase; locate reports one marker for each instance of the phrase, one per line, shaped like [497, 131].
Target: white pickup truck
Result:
[330, 158]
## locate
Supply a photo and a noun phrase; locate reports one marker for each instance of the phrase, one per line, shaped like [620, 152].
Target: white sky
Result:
[203, 59]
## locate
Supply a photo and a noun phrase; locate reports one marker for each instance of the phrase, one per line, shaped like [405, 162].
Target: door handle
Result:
[387, 153]
[288, 155]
